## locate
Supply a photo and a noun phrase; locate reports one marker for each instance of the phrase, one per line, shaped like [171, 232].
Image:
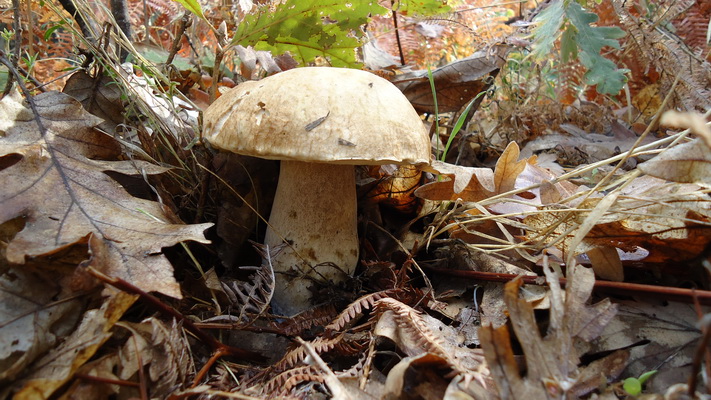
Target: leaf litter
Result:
[60, 189]
[402, 328]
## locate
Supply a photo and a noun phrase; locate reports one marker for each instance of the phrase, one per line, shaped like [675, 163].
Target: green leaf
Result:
[632, 386]
[569, 21]
[548, 23]
[193, 6]
[48, 33]
[591, 39]
[603, 73]
[645, 376]
[421, 7]
[568, 46]
[309, 29]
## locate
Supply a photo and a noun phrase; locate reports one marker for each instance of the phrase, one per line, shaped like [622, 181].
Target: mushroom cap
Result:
[319, 114]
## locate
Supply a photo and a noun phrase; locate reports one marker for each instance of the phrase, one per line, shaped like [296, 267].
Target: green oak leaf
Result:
[548, 23]
[193, 6]
[591, 39]
[309, 29]
[421, 7]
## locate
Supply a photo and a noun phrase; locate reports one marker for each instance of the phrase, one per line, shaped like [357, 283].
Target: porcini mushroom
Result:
[319, 122]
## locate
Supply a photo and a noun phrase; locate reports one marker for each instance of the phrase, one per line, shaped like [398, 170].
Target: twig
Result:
[622, 288]
[397, 34]
[185, 22]
[217, 346]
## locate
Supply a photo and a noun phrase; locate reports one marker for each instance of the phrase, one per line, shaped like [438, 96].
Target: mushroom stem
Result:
[315, 211]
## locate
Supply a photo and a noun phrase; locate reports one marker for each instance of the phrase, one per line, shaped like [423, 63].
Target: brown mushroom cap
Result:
[318, 114]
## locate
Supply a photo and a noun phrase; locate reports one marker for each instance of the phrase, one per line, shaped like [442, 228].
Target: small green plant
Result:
[310, 29]
[460, 121]
[436, 108]
[633, 386]
[580, 39]
[316, 28]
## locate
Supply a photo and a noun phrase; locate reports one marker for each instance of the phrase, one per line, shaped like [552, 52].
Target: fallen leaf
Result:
[606, 263]
[508, 168]
[31, 320]
[553, 361]
[592, 146]
[686, 163]
[419, 376]
[99, 97]
[688, 120]
[669, 220]
[474, 184]
[456, 83]
[661, 337]
[58, 366]
[61, 191]
[395, 186]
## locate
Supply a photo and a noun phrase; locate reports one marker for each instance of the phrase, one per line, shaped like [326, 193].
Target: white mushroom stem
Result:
[315, 211]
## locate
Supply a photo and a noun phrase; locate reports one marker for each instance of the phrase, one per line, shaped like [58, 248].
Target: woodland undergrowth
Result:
[557, 246]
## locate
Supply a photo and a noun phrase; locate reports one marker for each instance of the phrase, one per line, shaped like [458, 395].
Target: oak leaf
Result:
[553, 361]
[474, 184]
[456, 83]
[53, 175]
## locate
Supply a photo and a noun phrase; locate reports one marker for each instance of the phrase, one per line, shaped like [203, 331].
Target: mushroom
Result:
[319, 122]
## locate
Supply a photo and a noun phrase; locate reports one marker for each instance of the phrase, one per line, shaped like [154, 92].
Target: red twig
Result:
[621, 288]
[216, 355]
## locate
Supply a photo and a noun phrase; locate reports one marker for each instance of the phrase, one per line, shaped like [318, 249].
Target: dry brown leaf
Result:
[670, 220]
[606, 263]
[101, 98]
[474, 184]
[575, 142]
[418, 376]
[163, 349]
[31, 320]
[467, 183]
[508, 168]
[59, 187]
[553, 361]
[56, 368]
[688, 120]
[686, 163]
[662, 338]
[456, 83]
[395, 187]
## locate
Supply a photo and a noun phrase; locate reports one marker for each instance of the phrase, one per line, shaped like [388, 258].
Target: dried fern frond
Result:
[285, 382]
[693, 26]
[419, 337]
[668, 55]
[315, 317]
[355, 309]
[253, 298]
[297, 355]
